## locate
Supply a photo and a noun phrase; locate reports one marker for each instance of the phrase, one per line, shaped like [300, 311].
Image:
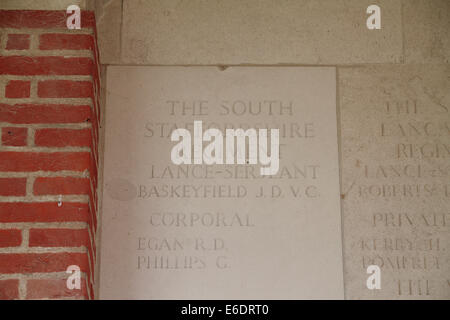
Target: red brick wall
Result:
[49, 116]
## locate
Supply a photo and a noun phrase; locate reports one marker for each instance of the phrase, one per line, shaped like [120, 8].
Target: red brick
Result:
[57, 160]
[93, 218]
[65, 89]
[45, 113]
[93, 170]
[31, 113]
[95, 124]
[64, 41]
[41, 19]
[91, 290]
[90, 245]
[10, 238]
[93, 196]
[43, 212]
[58, 237]
[54, 289]
[13, 186]
[46, 161]
[41, 262]
[23, 65]
[63, 137]
[13, 136]
[18, 41]
[60, 185]
[17, 89]
[9, 289]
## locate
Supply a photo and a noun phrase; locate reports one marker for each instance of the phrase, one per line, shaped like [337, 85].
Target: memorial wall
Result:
[364, 141]
[395, 179]
[238, 149]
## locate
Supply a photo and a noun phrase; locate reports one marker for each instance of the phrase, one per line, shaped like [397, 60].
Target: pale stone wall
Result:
[395, 144]
[324, 32]
[41, 4]
[404, 65]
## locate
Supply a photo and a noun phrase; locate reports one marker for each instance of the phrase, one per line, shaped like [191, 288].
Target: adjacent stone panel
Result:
[395, 125]
[259, 32]
[220, 231]
[108, 14]
[42, 4]
[427, 31]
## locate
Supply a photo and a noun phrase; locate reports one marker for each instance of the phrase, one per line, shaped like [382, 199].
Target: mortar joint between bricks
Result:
[22, 288]
[34, 42]
[3, 40]
[26, 174]
[80, 125]
[45, 225]
[7, 77]
[30, 183]
[47, 198]
[68, 101]
[25, 237]
[45, 149]
[39, 31]
[30, 136]
[33, 88]
[39, 250]
[3, 83]
[50, 53]
[38, 275]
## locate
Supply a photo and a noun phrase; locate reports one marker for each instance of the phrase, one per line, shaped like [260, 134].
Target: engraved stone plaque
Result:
[220, 231]
[395, 126]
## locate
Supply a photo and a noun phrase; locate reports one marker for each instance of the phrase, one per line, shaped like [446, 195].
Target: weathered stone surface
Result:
[163, 239]
[108, 14]
[259, 32]
[41, 4]
[395, 128]
[427, 31]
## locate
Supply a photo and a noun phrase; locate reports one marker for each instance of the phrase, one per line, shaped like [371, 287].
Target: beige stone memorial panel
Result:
[395, 127]
[165, 32]
[220, 231]
[426, 31]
